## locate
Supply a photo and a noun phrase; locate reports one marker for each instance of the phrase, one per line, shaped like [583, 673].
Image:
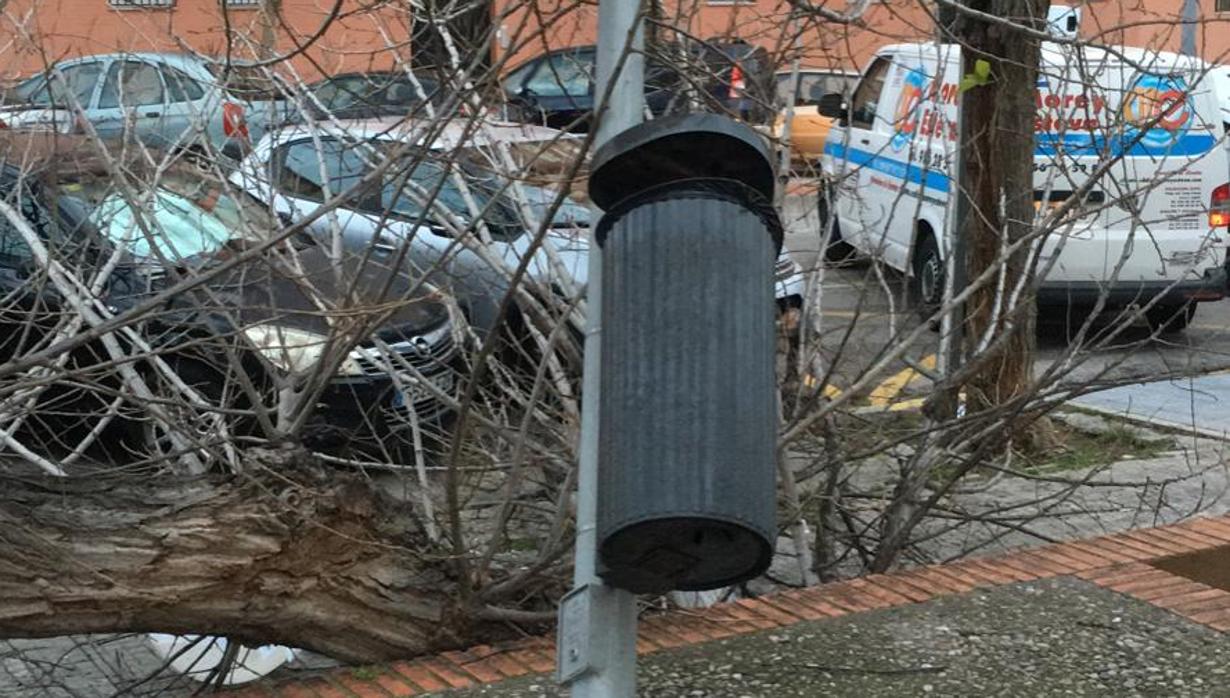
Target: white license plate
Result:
[414, 391]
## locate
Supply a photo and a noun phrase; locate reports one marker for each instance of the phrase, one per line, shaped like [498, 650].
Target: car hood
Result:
[307, 291]
[569, 214]
[571, 250]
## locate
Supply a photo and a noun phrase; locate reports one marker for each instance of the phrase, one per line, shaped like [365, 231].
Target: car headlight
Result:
[293, 350]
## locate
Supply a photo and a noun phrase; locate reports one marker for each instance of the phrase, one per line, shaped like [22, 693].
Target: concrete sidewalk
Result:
[1058, 636]
[1199, 404]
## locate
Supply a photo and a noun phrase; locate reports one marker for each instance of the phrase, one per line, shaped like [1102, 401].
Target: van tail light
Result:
[737, 83]
[3, 125]
[234, 123]
[1219, 207]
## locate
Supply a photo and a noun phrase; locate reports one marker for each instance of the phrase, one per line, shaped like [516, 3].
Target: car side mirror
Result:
[832, 105]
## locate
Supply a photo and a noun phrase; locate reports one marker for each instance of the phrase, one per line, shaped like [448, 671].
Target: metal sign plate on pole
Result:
[574, 633]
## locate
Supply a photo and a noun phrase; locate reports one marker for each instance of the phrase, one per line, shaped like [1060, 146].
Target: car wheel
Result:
[927, 282]
[837, 251]
[1171, 317]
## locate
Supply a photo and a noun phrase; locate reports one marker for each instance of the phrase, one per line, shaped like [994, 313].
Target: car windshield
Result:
[411, 189]
[251, 83]
[187, 216]
[375, 91]
[178, 228]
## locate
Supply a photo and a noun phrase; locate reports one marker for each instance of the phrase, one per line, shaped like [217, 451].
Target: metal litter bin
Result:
[688, 413]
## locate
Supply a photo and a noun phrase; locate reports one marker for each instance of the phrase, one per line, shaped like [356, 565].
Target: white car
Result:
[297, 168]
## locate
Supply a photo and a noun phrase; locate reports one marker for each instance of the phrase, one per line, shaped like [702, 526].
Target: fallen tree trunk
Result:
[287, 553]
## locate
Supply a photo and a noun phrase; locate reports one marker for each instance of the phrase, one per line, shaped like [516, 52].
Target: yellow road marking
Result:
[830, 391]
[885, 394]
[891, 387]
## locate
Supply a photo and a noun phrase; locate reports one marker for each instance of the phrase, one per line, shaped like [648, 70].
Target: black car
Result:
[556, 89]
[370, 95]
[281, 341]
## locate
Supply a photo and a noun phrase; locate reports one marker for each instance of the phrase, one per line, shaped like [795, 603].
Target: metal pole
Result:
[597, 638]
[1191, 15]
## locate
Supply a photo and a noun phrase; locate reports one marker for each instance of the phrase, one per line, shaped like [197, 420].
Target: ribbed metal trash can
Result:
[688, 408]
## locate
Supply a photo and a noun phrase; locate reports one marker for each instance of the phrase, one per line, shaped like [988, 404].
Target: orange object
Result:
[1219, 207]
[737, 83]
[808, 128]
[234, 122]
[808, 131]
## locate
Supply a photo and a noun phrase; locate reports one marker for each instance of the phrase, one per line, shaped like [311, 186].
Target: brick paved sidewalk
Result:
[1145, 565]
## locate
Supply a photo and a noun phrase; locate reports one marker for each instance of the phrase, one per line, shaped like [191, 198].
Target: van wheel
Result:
[927, 283]
[838, 251]
[1170, 318]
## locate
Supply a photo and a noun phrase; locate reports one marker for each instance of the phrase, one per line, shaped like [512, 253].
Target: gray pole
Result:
[597, 636]
[1191, 12]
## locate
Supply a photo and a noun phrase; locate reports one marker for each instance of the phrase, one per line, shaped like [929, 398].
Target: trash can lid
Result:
[680, 147]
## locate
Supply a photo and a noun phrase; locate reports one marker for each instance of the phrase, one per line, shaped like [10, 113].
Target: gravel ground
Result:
[82, 666]
[1059, 637]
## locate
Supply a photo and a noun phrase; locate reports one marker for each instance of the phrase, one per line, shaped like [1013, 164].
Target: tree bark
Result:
[997, 137]
[287, 553]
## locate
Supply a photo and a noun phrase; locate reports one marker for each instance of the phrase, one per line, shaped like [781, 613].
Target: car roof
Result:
[842, 72]
[47, 156]
[1056, 54]
[183, 61]
[398, 128]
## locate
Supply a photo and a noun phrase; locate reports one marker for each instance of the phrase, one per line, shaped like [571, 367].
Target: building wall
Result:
[761, 22]
[38, 31]
[41, 31]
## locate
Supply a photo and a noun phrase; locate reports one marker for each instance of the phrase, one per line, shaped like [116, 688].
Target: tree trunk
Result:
[271, 11]
[286, 553]
[997, 138]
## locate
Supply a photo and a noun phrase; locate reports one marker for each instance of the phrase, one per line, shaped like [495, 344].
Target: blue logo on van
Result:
[905, 116]
[1158, 110]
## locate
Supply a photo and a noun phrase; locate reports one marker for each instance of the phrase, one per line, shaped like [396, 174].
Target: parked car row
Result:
[438, 230]
[557, 89]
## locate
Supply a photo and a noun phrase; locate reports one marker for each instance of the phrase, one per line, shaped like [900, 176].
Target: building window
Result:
[242, 3]
[1221, 5]
[127, 4]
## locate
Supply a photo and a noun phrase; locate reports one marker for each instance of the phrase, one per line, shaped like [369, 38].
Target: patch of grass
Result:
[1087, 449]
[522, 544]
[365, 673]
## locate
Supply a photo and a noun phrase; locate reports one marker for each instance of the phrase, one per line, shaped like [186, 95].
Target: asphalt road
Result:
[864, 317]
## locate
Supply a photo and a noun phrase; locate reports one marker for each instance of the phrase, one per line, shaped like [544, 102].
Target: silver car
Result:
[296, 169]
[168, 100]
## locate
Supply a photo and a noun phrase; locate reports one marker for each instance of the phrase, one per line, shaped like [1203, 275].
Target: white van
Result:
[1153, 115]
